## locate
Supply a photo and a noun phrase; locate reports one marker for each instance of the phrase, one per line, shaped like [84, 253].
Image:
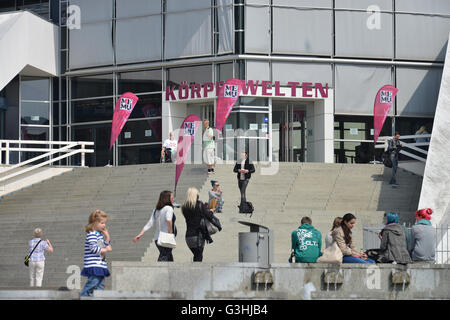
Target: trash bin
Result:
[256, 245]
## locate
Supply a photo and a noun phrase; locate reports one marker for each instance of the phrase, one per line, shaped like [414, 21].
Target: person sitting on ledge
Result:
[423, 237]
[393, 241]
[306, 242]
[343, 238]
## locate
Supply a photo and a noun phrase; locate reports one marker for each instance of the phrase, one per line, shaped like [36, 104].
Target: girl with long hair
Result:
[194, 211]
[343, 237]
[163, 217]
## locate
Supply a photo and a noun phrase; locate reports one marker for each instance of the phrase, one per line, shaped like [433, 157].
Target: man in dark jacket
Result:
[393, 242]
[394, 147]
[244, 170]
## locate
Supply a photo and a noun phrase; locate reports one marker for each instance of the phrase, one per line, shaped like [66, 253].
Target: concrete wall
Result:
[285, 281]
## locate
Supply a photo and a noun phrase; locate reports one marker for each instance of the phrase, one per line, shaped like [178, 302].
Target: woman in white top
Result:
[163, 218]
[328, 238]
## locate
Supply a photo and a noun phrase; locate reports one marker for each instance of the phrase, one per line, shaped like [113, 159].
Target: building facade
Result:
[315, 67]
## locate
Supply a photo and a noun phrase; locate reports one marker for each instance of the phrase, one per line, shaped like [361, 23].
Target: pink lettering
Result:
[207, 87]
[305, 89]
[266, 85]
[169, 93]
[277, 89]
[293, 88]
[195, 89]
[323, 92]
[252, 87]
[183, 88]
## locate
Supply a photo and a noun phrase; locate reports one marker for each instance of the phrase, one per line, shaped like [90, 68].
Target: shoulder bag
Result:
[27, 257]
[332, 254]
[165, 239]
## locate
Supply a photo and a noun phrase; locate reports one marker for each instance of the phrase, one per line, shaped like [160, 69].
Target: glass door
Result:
[288, 132]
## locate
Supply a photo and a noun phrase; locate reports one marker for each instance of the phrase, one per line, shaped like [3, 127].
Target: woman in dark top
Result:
[244, 170]
[193, 211]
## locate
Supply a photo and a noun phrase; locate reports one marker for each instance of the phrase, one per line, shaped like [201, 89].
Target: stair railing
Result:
[383, 143]
[67, 148]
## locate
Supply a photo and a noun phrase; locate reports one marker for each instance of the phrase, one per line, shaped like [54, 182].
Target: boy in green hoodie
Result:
[306, 242]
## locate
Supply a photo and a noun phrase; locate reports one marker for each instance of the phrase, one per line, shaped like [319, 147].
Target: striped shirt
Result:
[38, 254]
[92, 248]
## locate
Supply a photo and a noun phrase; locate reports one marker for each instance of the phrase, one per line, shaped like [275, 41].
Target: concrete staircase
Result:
[61, 206]
[128, 194]
[320, 191]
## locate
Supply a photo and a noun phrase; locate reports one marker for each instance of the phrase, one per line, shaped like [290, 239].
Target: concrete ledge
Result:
[39, 295]
[287, 281]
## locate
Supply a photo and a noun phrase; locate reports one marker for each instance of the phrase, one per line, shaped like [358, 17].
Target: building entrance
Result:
[289, 131]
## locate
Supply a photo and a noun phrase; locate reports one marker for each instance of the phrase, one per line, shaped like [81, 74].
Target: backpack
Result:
[246, 207]
[386, 158]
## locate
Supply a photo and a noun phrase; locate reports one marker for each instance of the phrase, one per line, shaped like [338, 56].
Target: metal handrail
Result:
[383, 143]
[67, 150]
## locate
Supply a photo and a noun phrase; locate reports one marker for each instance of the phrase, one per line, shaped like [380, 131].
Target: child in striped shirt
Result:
[95, 248]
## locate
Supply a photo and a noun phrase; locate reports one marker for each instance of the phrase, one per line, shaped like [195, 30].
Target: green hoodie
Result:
[306, 243]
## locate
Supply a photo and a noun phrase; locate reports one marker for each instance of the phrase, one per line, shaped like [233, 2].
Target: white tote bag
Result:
[332, 254]
[165, 239]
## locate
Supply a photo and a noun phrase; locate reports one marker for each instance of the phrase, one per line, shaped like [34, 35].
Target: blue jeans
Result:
[351, 259]
[394, 158]
[93, 283]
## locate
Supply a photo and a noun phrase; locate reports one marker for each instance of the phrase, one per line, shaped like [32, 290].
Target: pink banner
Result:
[123, 109]
[187, 133]
[383, 102]
[226, 98]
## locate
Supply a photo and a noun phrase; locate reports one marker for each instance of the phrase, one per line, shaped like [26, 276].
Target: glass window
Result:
[7, 5]
[92, 110]
[224, 71]
[196, 74]
[142, 81]
[34, 113]
[92, 86]
[139, 154]
[63, 112]
[55, 89]
[253, 101]
[55, 113]
[100, 134]
[148, 106]
[144, 131]
[36, 89]
[34, 133]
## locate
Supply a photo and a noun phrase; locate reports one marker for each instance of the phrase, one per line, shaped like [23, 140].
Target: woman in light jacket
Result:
[343, 237]
[329, 238]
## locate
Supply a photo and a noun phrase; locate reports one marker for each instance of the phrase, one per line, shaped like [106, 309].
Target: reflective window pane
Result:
[92, 110]
[142, 81]
[196, 74]
[92, 86]
[147, 107]
[36, 89]
[55, 114]
[34, 133]
[139, 154]
[34, 113]
[144, 131]
[100, 135]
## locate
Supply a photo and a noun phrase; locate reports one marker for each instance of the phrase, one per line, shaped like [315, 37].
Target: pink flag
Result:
[226, 98]
[187, 133]
[383, 102]
[123, 109]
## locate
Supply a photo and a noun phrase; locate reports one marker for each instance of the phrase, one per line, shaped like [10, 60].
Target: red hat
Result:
[424, 213]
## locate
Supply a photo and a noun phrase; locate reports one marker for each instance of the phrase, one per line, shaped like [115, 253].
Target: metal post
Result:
[83, 158]
[7, 153]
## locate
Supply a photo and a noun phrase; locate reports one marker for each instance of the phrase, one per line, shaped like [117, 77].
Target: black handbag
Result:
[27, 257]
[386, 158]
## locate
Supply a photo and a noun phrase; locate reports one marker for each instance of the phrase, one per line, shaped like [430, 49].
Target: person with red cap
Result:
[423, 237]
